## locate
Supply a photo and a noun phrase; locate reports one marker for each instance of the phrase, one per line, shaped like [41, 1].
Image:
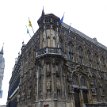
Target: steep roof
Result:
[93, 40]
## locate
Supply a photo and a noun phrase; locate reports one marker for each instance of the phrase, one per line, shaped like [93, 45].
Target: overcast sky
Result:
[88, 16]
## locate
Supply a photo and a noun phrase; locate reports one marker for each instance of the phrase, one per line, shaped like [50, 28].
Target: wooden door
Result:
[77, 97]
[85, 96]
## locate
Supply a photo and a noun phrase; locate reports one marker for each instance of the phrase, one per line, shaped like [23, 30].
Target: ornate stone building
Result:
[14, 84]
[2, 66]
[61, 67]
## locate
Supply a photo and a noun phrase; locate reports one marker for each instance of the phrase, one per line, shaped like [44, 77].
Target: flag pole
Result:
[33, 30]
[28, 31]
[30, 34]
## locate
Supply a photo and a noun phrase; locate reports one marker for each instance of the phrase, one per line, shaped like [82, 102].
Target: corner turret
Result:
[49, 26]
[48, 21]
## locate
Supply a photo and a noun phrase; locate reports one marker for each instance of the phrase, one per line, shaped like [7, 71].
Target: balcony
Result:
[49, 51]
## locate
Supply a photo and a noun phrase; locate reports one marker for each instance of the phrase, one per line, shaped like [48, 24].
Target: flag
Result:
[27, 29]
[30, 24]
[61, 20]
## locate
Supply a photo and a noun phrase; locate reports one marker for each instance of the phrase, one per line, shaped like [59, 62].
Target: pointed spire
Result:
[43, 13]
[61, 20]
[1, 52]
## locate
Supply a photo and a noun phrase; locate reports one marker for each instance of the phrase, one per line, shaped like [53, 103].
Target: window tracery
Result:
[83, 81]
[75, 80]
[80, 54]
[71, 47]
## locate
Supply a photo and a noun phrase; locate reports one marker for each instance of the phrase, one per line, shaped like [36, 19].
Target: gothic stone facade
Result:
[14, 84]
[62, 67]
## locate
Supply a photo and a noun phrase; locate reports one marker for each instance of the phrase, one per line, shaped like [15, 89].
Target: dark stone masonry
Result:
[59, 67]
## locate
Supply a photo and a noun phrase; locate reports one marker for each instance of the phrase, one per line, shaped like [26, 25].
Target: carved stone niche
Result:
[70, 89]
[22, 96]
[48, 71]
[48, 85]
[57, 71]
[69, 78]
[40, 94]
[56, 61]
[48, 60]
[57, 74]
[18, 98]
[91, 83]
[93, 91]
[29, 94]
[58, 87]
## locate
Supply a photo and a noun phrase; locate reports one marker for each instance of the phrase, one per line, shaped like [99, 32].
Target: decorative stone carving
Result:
[48, 85]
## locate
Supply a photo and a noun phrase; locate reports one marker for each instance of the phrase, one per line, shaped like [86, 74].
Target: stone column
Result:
[44, 81]
[81, 98]
[89, 92]
[53, 78]
[62, 82]
[37, 81]
[81, 94]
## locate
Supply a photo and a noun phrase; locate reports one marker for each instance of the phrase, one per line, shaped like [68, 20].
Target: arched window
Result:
[44, 39]
[96, 61]
[93, 84]
[94, 81]
[83, 81]
[89, 55]
[75, 80]
[48, 70]
[102, 61]
[80, 52]
[71, 46]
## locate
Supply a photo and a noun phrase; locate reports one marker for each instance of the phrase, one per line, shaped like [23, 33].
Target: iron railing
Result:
[49, 51]
[96, 105]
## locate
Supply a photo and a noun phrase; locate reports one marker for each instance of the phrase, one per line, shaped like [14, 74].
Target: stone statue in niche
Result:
[29, 94]
[48, 87]
[58, 86]
[48, 73]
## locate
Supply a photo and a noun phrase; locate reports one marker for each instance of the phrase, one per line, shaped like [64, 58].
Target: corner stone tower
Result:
[43, 83]
[50, 64]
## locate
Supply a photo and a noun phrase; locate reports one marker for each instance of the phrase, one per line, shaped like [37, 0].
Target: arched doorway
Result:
[76, 90]
[84, 88]
[80, 90]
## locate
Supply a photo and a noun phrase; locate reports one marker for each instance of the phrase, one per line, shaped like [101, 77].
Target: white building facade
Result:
[2, 66]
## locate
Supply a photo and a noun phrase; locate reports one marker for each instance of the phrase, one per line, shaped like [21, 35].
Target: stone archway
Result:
[84, 88]
[75, 84]
[80, 86]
